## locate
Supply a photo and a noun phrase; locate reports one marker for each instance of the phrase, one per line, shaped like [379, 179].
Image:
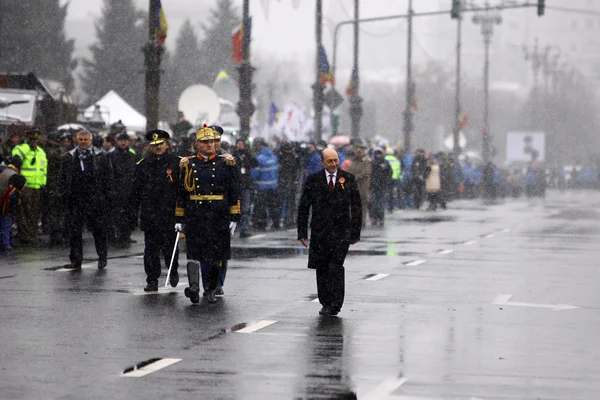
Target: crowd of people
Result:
[270, 177]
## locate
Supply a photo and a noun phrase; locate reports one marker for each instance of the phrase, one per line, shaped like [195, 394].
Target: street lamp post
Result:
[487, 19]
[356, 109]
[152, 55]
[245, 105]
[457, 104]
[318, 87]
[408, 117]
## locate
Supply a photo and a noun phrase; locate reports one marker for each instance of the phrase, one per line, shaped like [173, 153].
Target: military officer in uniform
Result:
[210, 197]
[155, 188]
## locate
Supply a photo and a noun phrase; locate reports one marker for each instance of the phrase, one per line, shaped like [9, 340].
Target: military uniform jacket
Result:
[124, 166]
[154, 190]
[336, 216]
[210, 197]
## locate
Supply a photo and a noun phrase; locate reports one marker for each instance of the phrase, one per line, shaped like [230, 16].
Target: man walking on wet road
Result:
[336, 223]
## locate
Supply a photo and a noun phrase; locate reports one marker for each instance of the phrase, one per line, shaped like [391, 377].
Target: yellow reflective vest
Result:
[396, 166]
[35, 165]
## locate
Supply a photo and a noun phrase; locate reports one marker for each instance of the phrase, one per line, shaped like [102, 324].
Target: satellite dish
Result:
[200, 104]
[226, 88]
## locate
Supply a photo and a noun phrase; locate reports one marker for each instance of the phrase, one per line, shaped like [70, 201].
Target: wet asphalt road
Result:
[476, 302]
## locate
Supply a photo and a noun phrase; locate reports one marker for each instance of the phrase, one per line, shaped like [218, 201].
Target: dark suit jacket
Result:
[335, 216]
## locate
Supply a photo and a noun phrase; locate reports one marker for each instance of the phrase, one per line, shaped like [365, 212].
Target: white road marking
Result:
[161, 290]
[385, 388]
[150, 368]
[503, 300]
[315, 300]
[138, 257]
[416, 262]
[257, 236]
[505, 230]
[83, 266]
[255, 327]
[448, 251]
[489, 236]
[470, 242]
[377, 277]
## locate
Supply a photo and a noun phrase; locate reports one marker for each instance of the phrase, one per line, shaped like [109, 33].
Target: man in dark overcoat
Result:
[123, 161]
[155, 188]
[86, 179]
[210, 198]
[336, 223]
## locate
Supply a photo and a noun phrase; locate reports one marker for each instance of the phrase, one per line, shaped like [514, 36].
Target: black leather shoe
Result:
[192, 294]
[211, 297]
[324, 311]
[334, 311]
[174, 278]
[151, 287]
[219, 291]
[102, 263]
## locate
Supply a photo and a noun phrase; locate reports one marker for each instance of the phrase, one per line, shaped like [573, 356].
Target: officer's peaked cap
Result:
[156, 136]
[206, 133]
[218, 131]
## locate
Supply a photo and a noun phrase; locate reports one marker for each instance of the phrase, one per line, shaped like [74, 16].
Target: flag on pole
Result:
[413, 97]
[352, 87]
[326, 74]
[463, 120]
[273, 114]
[160, 23]
[240, 41]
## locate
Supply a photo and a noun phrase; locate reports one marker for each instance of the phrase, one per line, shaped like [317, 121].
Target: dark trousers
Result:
[418, 187]
[266, 202]
[96, 221]
[288, 202]
[5, 231]
[122, 225]
[206, 270]
[378, 201]
[331, 274]
[246, 206]
[29, 215]
[157, 243]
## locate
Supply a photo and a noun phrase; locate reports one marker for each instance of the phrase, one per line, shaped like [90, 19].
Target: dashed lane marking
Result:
[385, 388]
[415, 262]
[161, 290]
[447, 251]
[315, 300]
[257, 236]
[470, 242]
[83, 266]
[146, 368]
[257, 326]
[377, 277]
[505, 230]
[489, 236]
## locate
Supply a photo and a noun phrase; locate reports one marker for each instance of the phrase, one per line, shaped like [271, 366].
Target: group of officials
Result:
[200, 196]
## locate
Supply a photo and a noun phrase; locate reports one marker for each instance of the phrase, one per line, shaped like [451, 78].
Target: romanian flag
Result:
[160, 23]
[352, 88]
[463, 120]
[413, 96]
[326, 74]
[273, 114]
[240, 42]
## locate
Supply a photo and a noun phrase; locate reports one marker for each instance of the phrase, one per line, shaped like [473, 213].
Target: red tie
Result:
[331, 184]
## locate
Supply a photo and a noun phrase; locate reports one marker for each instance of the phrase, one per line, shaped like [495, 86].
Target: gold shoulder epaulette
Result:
[139, 162]
[229, 159]
[184, 161]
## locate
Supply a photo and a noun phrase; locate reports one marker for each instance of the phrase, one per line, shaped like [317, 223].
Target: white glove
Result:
[178, 227]
[232, 226]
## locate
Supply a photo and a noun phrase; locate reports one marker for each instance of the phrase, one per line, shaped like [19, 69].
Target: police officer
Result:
[210, 196]
[155, 189]
[34, 170]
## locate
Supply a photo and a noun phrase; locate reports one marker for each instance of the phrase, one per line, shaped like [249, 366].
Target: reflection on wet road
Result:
[476, 302]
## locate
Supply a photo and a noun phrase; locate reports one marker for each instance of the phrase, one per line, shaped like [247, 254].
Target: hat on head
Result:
[218, 131]
[206, 133]
[33, 133]
[258, 141]
[125, 136]
[156, 136]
